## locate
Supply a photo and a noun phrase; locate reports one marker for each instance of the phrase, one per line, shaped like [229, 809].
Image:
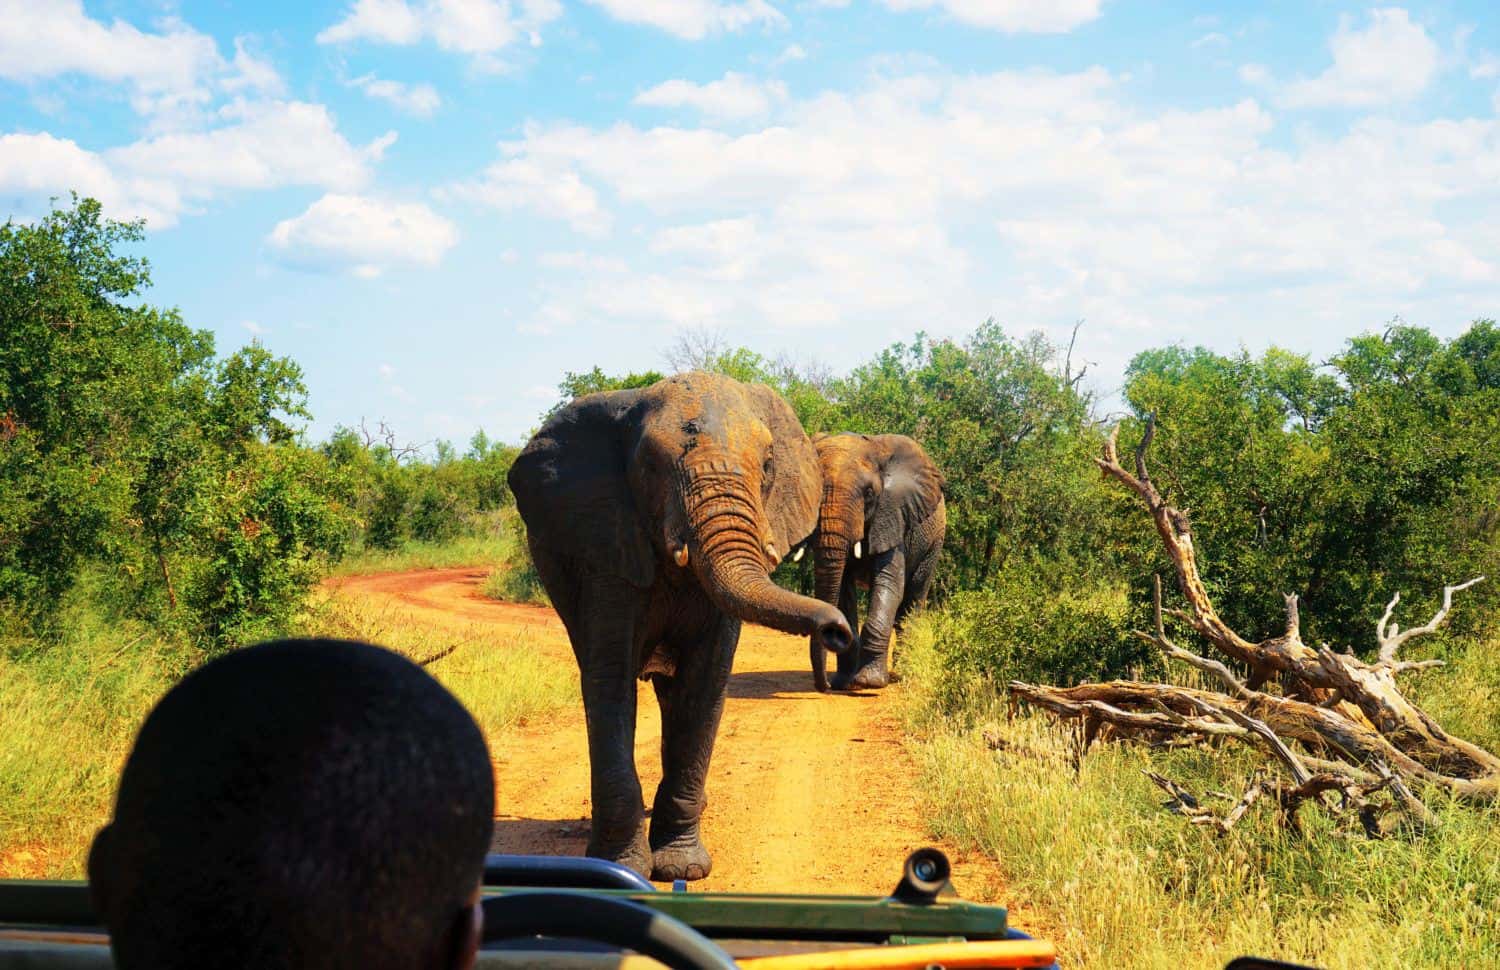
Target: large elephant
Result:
[655, 517]
[880, 526]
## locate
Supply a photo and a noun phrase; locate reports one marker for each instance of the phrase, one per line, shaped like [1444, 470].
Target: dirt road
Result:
[807, 792]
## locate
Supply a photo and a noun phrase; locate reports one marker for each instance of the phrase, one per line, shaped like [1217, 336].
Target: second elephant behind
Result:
[881, 527]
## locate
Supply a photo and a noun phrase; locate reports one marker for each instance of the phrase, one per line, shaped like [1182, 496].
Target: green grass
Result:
[1121, 882]
[481, 550]
[68, 715]
[69, 709]
[503, 681]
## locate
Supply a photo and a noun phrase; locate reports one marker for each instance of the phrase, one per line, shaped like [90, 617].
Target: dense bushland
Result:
[177, 480]
[127, 447]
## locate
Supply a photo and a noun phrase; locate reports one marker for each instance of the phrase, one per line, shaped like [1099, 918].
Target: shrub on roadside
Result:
[514, 579]
[1028, 626]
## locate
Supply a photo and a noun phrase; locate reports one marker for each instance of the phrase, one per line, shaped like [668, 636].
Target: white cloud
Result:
[380, 21]
[420, 99]
[256, 330]
[170, 73]
[41, 165]
[266, 145]
[1392, 59]
[1011, 16]
[258, 145]
[550, 190]
[363, 235]
[928, 199]
[793, 52]
[1485, 66]
[1254, 74]
[1211, 39]
[478, 27]
[694, 19]
[733, 97]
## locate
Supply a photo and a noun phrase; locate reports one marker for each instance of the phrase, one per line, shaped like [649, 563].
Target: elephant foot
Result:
[869, 678]
[684, 857]
[869, 674]
[632, 853]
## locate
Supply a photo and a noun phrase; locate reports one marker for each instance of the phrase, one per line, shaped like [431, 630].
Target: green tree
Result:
[125, 442]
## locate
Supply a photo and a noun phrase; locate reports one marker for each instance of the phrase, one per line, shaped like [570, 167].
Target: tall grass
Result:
[68, 715]
[504, 681]
[69, 710]
[474, 550]
[1125, 883]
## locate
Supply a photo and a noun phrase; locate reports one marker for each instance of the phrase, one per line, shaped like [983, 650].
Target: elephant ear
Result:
[572, 489]
[792, 506]
[911, 489]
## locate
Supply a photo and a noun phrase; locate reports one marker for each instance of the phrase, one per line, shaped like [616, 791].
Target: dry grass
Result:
[68, 716]
[502, 681]
[69, 713]
[1124, 883]
[478, 550]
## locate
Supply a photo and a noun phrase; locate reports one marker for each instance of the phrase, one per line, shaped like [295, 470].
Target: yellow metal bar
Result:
[953, 956]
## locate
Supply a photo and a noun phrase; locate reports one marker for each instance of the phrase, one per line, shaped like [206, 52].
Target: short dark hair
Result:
[300, 803]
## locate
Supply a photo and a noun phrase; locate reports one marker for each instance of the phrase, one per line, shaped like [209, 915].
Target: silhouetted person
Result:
[301, 803]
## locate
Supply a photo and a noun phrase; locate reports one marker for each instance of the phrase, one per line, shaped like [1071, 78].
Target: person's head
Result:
[301, 803]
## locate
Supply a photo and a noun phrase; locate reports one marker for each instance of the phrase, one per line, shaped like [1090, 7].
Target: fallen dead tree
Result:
[1341, 731]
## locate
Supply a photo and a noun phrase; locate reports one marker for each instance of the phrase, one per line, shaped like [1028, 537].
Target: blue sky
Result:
[439, 206]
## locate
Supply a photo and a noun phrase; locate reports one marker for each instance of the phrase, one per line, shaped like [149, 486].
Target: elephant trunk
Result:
[734, 567]
[832, 554]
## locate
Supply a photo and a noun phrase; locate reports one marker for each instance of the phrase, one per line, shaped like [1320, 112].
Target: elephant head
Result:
[696, 477]
[874, 488]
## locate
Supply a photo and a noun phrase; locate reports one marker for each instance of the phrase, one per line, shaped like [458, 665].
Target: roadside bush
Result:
[514, 579]
[1027, 626]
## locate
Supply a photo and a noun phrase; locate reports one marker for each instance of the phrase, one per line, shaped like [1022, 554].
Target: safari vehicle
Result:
[548, 911]
[589, 914]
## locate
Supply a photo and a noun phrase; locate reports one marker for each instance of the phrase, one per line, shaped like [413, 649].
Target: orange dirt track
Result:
[807, 793]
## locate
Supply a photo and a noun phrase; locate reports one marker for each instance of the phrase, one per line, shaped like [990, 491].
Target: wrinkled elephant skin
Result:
[655, 516]
[880, 525]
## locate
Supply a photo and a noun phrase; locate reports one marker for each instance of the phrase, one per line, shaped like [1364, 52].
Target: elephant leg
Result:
[692, 701]
[849, 606]
[606, 616]
[886, 592]
[915, 597]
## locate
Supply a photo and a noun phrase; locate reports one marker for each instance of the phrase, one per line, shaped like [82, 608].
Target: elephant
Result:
[881, 526]
[655, 517]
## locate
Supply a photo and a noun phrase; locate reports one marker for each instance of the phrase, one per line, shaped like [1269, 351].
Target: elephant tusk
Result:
[680, 557]
[771, 551]
[858, 548]
[797, 556]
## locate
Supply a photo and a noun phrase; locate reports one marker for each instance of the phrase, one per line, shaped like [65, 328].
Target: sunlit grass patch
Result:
[477, 550]
[504, 680]
[70, 709]
[68, 715]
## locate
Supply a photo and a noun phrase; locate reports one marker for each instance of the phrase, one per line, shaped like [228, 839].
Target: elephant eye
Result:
[767, 473]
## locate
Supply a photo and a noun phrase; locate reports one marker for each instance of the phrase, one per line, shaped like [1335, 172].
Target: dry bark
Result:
[1334, 722]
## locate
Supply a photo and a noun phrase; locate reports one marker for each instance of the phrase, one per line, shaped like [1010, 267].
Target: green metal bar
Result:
[821, 917]
[714, 914]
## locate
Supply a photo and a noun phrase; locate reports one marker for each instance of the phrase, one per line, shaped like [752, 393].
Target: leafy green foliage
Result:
[400, 497]
[1376, 476]
[123, 439]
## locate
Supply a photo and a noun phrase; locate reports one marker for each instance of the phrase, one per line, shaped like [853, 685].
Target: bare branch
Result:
[1391, 640]
[1261, 730]
[1182, 802]
[1140, 449]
